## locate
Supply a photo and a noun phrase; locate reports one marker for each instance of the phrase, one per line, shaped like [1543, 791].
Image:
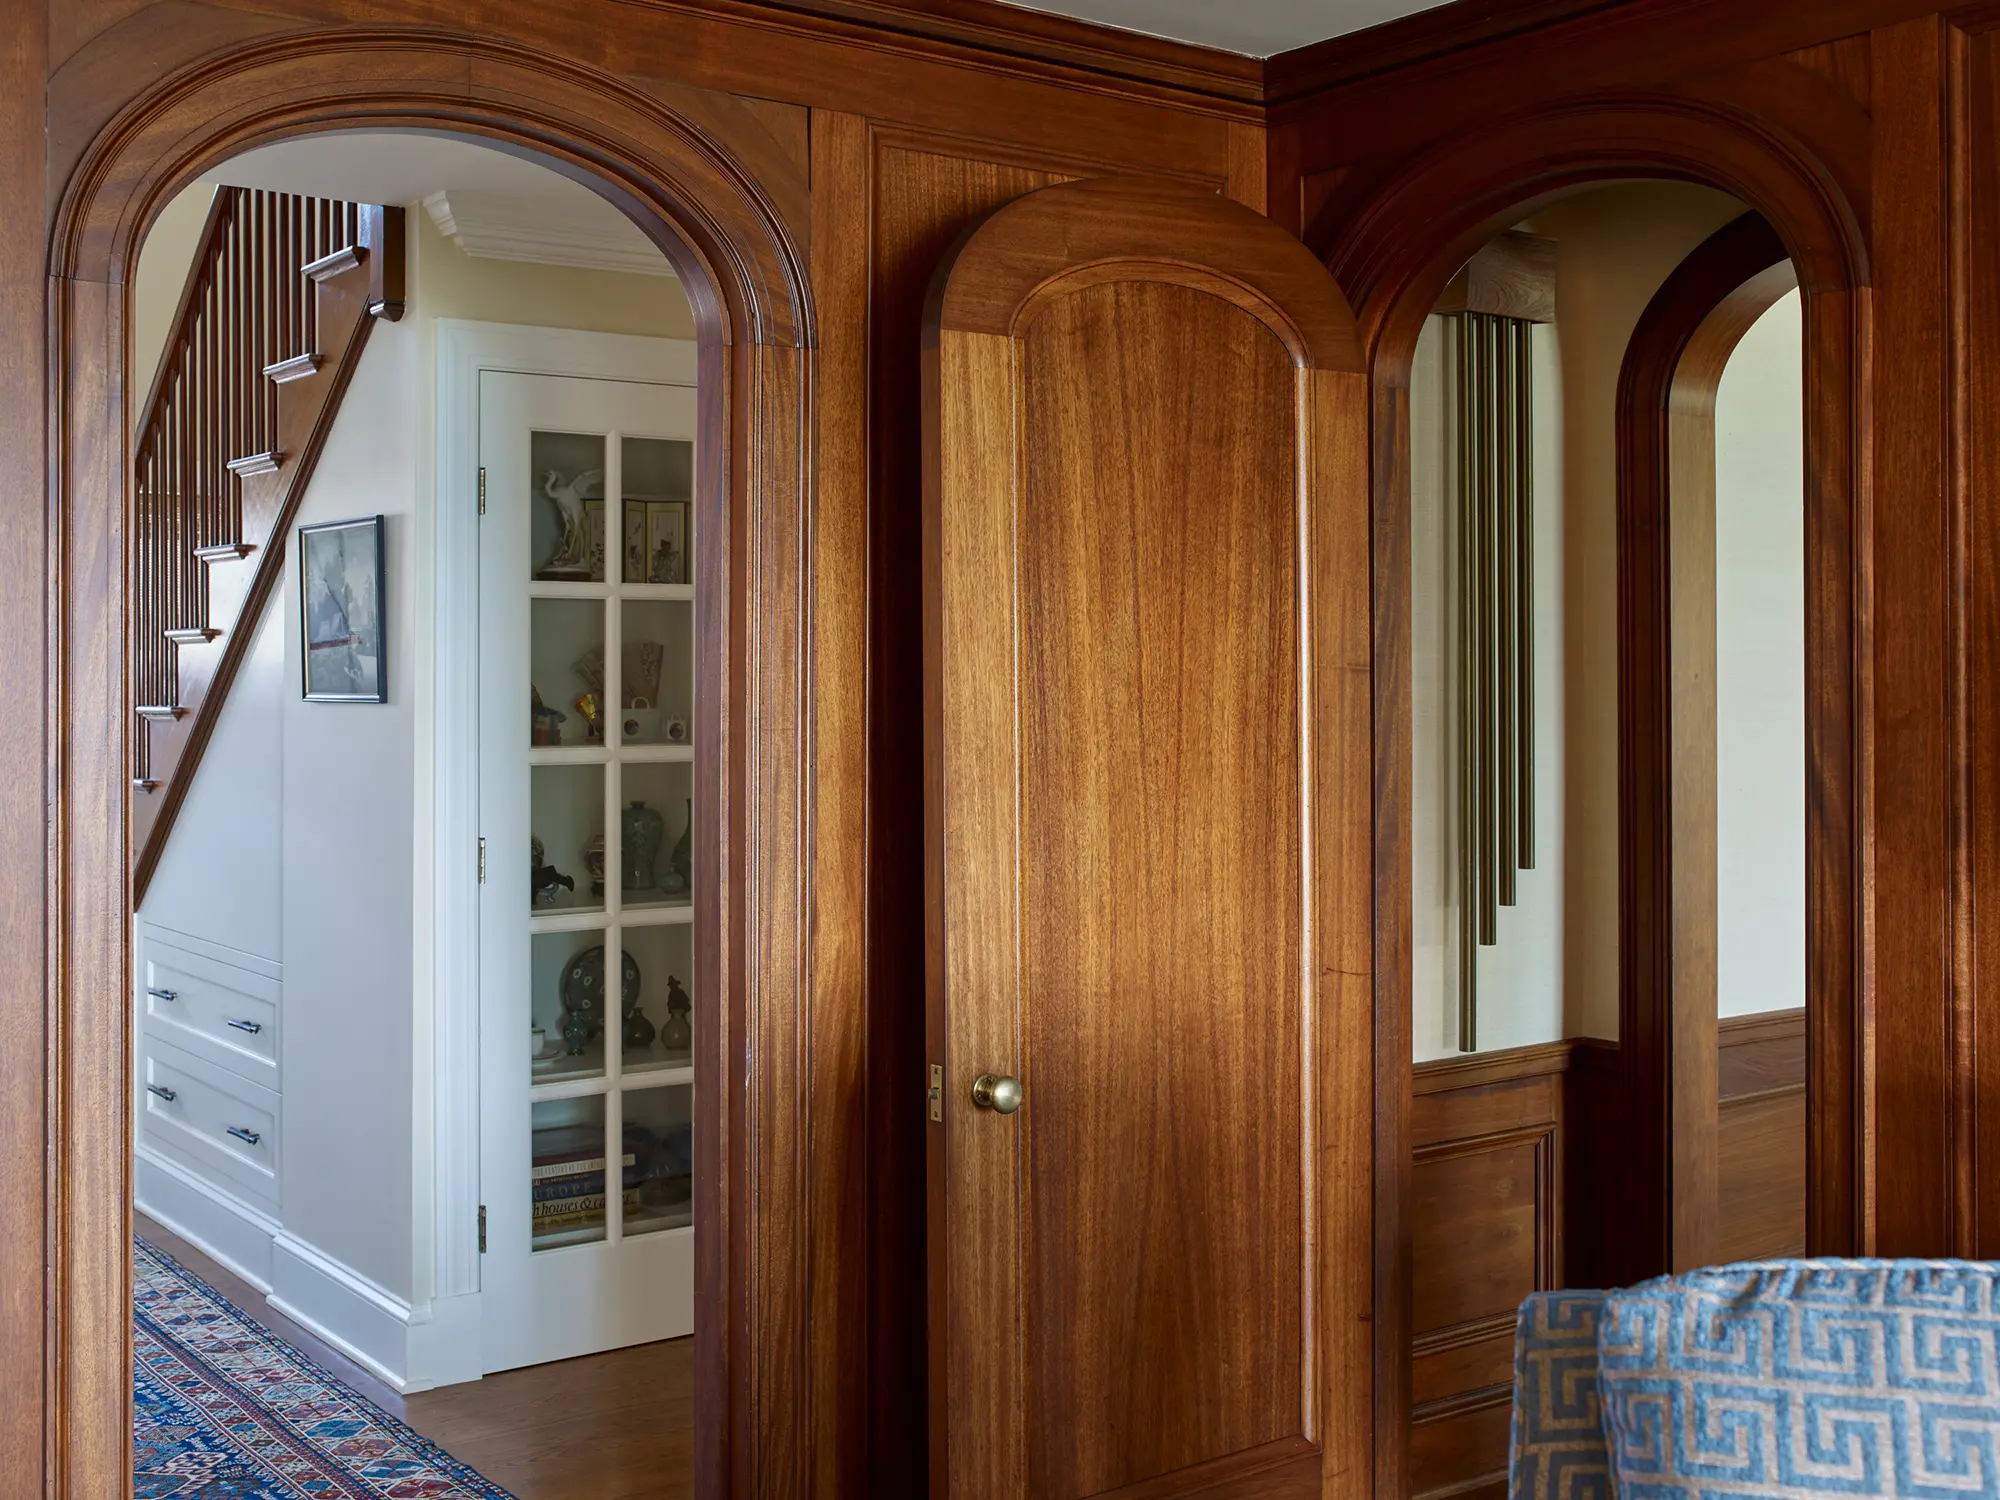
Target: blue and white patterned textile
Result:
[1796, 1379]
[1558, 1450]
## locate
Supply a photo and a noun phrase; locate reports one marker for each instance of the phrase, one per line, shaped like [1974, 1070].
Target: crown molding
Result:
[1422, 37]
[1011, 39]
[498, 226]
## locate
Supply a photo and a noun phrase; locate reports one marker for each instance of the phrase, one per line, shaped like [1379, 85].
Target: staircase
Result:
[270, 328]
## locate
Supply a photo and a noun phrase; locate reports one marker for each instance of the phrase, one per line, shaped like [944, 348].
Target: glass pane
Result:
[658, 682]
[659, 1120]
[658, 841]
[659, 1035]
[566, 821]
[566, 1175]
[566, 539]
[566, 972]
[659, 513]
[566, 672]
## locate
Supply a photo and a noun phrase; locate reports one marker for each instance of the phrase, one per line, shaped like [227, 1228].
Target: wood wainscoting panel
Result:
[1761, 1136]
[1486, 1229]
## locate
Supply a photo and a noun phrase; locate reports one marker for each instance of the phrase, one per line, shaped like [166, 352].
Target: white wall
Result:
[157, 281]
[221, 877]
[350, 771]
[1760, 669]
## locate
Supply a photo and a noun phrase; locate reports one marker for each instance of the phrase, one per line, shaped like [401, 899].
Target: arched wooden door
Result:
[1148, 828]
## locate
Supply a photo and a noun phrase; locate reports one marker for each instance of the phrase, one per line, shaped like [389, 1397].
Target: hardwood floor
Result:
[616, 1426]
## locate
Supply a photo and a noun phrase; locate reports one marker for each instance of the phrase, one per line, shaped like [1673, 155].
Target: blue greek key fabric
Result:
[1558, 1450]
[1796, 1379]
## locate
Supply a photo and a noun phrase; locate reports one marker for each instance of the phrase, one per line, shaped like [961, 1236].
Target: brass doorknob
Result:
[1001, 1095]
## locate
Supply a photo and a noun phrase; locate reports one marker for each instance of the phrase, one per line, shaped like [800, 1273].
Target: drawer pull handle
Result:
[159, 994]
[165, 1093]
[248, 1137]
[250, 1026]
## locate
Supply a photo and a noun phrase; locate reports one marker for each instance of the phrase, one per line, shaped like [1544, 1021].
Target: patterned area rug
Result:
[221, 1410]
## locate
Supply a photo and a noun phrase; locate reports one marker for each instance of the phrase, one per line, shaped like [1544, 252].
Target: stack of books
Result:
[568, 1174]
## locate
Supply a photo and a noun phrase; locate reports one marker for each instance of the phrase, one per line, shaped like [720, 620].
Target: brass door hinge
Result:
[482, 489]
[482, 1229]
[936, 1093]
[482, 860]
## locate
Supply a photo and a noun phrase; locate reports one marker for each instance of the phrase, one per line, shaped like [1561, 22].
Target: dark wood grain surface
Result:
[1667, 768]
[1144, 1284]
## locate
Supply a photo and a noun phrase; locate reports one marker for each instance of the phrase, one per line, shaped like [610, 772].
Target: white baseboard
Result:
[445, 1343]
[407, 1349]
[232, 1233]
[364, 1321]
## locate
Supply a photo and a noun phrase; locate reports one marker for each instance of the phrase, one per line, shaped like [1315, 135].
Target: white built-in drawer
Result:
[215, 1010]
[211, 1117]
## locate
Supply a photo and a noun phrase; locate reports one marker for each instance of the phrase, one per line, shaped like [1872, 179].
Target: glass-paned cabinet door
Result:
[588, 999]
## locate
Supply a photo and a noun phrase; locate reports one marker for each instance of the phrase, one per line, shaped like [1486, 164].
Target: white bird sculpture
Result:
[568, 500]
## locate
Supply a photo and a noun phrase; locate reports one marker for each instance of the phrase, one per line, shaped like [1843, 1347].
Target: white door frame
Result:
[447, 1349]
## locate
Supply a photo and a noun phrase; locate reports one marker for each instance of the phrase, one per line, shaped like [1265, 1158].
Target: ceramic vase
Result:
[681, 860]
[643, 829]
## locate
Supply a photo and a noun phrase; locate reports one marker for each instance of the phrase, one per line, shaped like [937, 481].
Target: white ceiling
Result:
[510, 209]
[1258, 28]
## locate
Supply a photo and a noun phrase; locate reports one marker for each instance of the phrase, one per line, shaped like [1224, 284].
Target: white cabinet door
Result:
[586, 598]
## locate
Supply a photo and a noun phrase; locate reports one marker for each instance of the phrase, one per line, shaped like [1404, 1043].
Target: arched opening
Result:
[751, 317]
[1466, 192]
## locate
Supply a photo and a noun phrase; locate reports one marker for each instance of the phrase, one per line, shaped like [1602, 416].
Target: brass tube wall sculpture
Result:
[1495, 599]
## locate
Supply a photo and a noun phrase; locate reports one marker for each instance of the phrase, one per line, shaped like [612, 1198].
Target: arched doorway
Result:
[735, 251]
[1464, 191]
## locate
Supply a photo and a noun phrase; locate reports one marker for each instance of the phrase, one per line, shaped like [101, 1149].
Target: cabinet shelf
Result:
[563, 588]
[597, 755]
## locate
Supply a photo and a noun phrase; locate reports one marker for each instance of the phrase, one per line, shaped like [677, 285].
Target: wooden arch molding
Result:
[680, 173]
[1393, 241]
[1666, 740]
[1046, 242]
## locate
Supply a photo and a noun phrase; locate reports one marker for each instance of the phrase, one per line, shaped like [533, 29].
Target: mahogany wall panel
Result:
[1486, 1223]
[1761, 1136]
[31, 575]
[1917, 581]
[918, 202]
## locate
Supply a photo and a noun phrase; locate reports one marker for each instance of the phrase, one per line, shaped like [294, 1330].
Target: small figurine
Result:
[546, 728]
[678, 1033]
[543, 879]
[576, 1030]
[593, 717]
[572, 555]
[638, 1031]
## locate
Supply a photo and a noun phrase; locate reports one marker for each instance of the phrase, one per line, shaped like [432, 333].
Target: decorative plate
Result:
[583, 984]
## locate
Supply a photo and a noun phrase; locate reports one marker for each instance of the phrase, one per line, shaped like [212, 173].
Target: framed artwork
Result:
[341, 626]
[595, 552]
[635, 541]
[666, 541]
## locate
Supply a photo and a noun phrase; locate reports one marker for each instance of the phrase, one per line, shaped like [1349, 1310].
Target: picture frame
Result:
[666, 541]
[635, 540]
[597, 554]
[343, 629]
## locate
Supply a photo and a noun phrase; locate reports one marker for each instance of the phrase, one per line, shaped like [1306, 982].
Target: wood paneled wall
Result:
[1760, 1135]
[874, 132]
[1490, 1135]
[1516, 1164]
